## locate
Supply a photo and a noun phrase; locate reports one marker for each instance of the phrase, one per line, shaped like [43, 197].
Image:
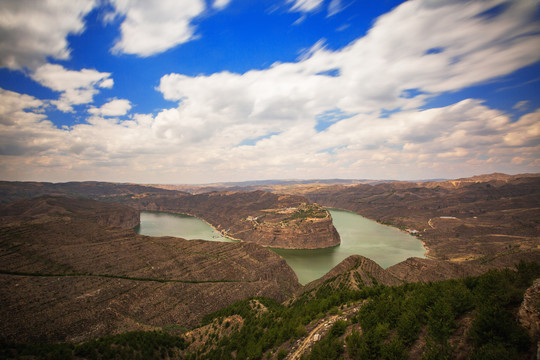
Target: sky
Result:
[205, 91]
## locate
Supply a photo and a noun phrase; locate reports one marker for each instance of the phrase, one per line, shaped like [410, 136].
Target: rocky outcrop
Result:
[529, 312]
[65, 276]
[357, 271]
[286, 233]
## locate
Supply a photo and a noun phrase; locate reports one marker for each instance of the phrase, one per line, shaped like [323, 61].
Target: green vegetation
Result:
[391, 319]
[132, 345]
[308, 211]
[331, 346]
[280, 324]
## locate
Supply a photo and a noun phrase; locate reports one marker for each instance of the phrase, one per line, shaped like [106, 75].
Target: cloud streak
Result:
[372, 74]
[305, 5]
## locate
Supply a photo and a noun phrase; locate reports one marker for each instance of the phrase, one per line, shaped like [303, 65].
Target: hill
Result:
[73, 269]
[471, 318]
[18, 190]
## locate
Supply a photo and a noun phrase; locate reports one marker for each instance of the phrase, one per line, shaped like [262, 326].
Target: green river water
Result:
[383, 244]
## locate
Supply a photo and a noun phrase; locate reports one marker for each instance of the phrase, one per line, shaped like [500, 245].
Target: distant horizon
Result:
[212, 91]
[277, 181]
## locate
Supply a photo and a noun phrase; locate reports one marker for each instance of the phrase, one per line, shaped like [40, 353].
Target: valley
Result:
[383, 244]
[74, 272]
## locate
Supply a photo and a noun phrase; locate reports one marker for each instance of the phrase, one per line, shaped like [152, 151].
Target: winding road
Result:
[322, 328]
[310, 338]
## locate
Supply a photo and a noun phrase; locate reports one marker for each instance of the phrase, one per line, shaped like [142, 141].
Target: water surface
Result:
[383, 244]
[155, 223]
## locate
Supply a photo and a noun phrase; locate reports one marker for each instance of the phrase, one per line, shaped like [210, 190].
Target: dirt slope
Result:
[67, 276]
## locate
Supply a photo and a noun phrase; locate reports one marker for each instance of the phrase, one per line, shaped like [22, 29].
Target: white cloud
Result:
[115, 107]
[335, 7]
[220, 4]
[176, 145]
[13, 105]
[34, 30]
[525, 132]
[76, 87]
[57, 78]
[521, 105]
[375, 71]
[106, 83]
[367, 77]
[152, 27]
[23, 129]
[305, 54]
[305, 5]
[262, 124]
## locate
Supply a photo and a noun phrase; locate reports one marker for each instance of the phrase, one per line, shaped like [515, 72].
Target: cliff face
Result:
[281, 221]
[313, 233]
[66, 275]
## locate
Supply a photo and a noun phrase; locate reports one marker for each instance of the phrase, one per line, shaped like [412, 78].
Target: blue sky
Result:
[198, 91]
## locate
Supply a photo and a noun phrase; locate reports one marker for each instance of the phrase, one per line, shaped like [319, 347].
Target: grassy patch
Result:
[308, 211]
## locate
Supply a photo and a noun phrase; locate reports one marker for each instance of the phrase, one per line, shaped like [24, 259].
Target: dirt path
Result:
[310, 338]
[322, 328]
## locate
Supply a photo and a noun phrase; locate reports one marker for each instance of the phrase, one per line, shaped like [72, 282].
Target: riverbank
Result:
[426, 248]
[360, 236]
[172, 213]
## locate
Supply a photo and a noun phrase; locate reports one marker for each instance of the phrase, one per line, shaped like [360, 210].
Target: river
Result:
[383, 244]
